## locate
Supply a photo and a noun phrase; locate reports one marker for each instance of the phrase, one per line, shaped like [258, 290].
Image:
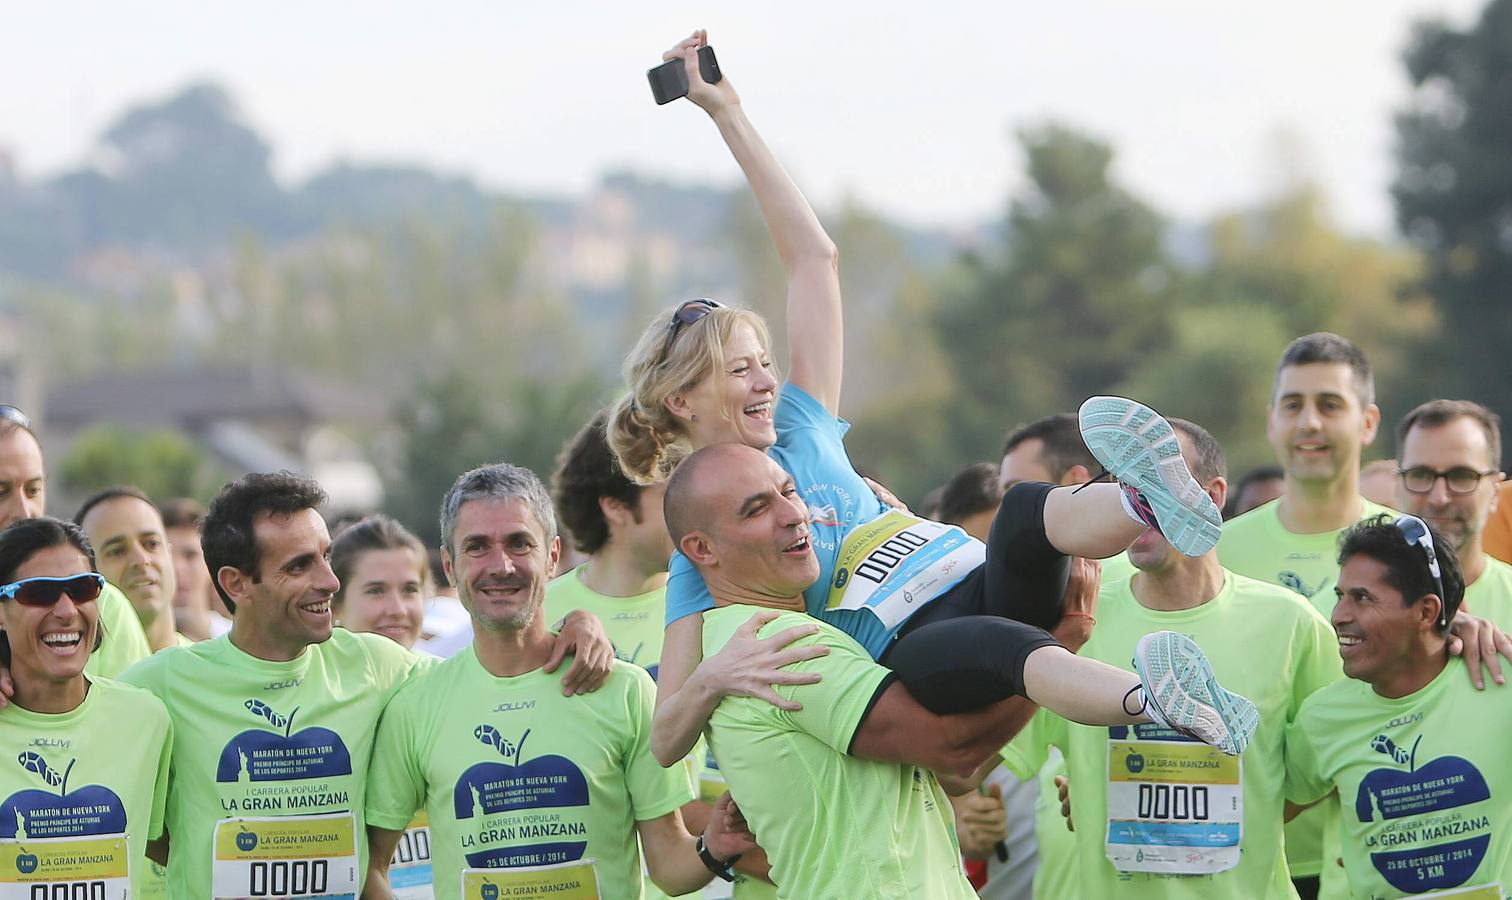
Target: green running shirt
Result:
[833, 825]
[1182, 820]
[635, 627]
[270, 762]
[1490, 597]
[523, 786]
[1257, 545]
[84, 792]
[1423, 782]
[124, 644]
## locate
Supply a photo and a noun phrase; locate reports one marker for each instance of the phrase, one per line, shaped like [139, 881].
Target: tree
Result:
[1069, 309]
[162, 464]
[1454, 195]
[904, 434]
[184, 172]
[1274, 272]
[453, 424]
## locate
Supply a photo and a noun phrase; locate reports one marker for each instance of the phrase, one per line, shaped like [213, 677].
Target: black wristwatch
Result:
[722, 869]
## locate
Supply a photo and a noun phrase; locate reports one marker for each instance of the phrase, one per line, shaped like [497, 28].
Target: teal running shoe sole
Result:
[1137, 445]
[1182, 693]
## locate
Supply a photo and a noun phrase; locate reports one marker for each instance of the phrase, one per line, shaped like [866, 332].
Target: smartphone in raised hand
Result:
[669, 81]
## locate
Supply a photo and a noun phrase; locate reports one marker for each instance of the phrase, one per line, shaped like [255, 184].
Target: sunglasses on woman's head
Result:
[44, 591]
[686, 314]
[15, 416]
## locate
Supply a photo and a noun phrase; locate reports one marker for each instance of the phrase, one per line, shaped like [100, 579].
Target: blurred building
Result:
[246, 419]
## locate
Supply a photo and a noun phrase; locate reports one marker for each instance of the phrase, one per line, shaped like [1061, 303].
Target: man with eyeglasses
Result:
[1322, 415]
[23, 495]
[1416, 755]
[1449, 454]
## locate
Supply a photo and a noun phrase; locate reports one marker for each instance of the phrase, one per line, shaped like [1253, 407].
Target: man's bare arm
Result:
[900, 730]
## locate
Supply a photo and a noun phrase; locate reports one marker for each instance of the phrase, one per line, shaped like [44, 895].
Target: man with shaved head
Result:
[736, 515]
[854, 751]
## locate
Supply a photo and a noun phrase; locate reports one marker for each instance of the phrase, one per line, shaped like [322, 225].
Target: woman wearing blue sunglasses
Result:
[83, 760]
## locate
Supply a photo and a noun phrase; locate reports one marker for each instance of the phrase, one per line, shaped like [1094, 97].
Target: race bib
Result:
[564, 881]
[88, 867]
[1174, 807]
[896, 563]
[1478, 892]
[410, 867]
[295, 856]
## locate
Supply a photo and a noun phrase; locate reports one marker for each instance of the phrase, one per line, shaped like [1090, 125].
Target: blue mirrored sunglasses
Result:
[44, 591]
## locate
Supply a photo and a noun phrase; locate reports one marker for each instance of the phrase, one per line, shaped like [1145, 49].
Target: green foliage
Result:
[163, 464]
[1084, 299]
[432, 294]
[1073, 302]
[1454, 195]
[903, 430]
[382, 305]
[451, 425]
[1207, 373]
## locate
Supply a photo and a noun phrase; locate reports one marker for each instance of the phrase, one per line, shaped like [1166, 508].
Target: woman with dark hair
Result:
[384, 574]
[94, 798]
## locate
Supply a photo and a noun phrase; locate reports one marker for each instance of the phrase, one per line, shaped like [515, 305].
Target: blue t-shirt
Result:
[811, 447]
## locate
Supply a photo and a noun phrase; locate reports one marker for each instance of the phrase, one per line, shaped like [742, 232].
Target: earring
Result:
[693, 416]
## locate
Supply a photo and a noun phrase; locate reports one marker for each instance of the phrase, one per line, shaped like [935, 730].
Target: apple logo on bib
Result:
[1441, 851]
[543, 783]
[57, 811]
[283, 754]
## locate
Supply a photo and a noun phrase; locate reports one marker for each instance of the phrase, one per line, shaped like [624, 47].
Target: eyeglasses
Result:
[14, 415]
[1416, 531]
[43, 591]
[687, 313]
[1460, 480]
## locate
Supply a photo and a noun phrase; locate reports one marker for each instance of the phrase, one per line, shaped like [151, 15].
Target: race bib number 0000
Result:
[563, 881]
[286, 858]
[410, 868]
[1174, 807]
[896, 563]
[92, 868]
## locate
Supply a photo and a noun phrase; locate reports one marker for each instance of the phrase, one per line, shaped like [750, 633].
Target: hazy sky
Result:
[909, 107]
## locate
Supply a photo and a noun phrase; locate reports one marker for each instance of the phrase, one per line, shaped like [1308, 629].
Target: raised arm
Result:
[815, 335]
[681, 709]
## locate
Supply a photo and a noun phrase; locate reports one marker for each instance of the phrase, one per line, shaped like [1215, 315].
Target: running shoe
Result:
[1137, 445]
[1182, 693]
[1138, 506]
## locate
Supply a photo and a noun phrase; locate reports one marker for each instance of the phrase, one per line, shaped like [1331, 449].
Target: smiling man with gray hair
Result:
[528, 789]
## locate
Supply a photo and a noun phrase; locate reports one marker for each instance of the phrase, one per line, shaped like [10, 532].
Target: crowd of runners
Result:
[1094, 668]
